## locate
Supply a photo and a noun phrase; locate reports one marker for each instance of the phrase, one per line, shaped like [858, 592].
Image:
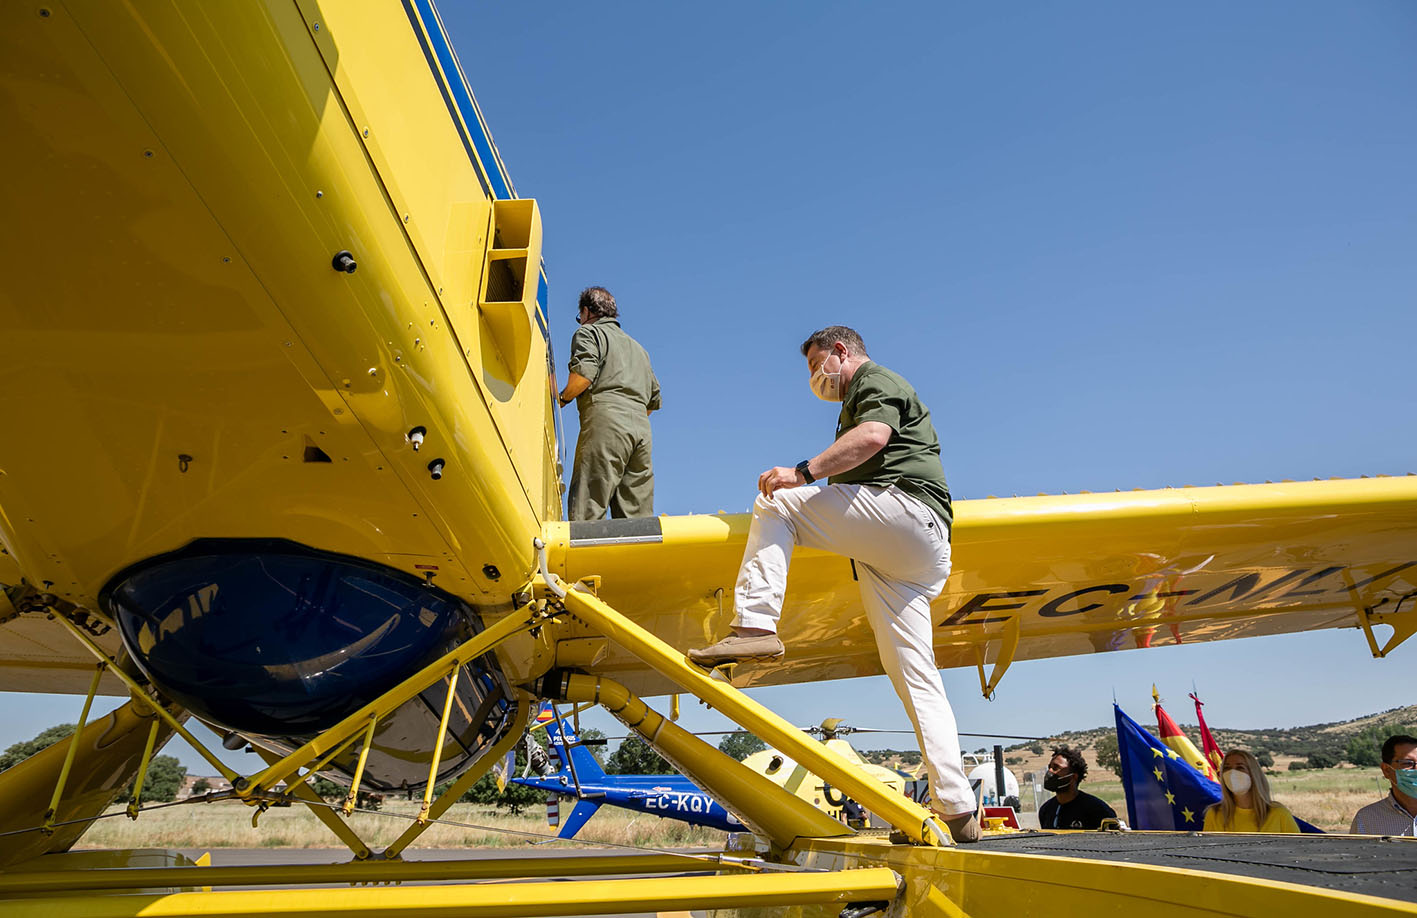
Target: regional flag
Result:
[1164, 793]
[1172, 736]
[1208, 743]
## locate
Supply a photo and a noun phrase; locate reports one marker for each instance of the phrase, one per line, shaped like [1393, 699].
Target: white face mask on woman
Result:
[826, 386]
[1238, 781]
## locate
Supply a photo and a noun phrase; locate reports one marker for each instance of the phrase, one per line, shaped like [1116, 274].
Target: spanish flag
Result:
[1208, 743]
[1180, 744]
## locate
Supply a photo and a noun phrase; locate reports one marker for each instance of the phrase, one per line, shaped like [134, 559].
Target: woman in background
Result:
[1245, 804]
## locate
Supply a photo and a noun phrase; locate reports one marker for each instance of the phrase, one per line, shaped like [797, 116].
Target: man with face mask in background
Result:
[1395, 814]
[1070, 808]
[885, 506]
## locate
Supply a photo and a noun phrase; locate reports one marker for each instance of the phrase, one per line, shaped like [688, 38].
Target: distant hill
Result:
[1330, 739]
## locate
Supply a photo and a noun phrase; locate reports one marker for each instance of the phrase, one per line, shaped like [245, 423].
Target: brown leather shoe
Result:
[964, 828]
[736, 648]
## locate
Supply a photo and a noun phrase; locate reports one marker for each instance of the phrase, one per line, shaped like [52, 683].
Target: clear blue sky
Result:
[1111, 244]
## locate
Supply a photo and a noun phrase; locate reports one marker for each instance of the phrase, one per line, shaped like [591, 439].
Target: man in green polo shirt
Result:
[887, 507]
[615, 388]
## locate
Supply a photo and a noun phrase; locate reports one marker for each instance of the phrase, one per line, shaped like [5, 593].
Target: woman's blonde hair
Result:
[1259, 791]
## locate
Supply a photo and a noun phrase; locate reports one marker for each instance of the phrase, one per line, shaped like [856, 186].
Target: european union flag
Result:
[1164, 792]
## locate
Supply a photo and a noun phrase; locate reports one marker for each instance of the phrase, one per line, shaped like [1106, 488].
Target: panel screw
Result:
[319, 194]
[490, 572]
[344, 262]
[435, 468]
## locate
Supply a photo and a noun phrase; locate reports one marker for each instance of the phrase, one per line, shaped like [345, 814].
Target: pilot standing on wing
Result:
[886, 506]
[615, 389]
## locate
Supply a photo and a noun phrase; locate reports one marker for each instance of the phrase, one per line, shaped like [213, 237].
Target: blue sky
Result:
[1111, 244]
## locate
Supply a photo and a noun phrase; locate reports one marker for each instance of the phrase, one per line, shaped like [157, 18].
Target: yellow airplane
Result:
[280, 454]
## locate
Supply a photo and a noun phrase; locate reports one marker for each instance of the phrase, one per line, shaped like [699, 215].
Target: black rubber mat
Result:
[1370, 866]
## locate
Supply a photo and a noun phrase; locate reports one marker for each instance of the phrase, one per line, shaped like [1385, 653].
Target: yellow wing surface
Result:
[183, 362]
[1061, 575]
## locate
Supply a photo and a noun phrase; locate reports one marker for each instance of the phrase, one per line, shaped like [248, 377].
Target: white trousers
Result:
[902, 555]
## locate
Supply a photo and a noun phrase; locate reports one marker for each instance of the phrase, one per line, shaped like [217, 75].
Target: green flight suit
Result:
[612, 466]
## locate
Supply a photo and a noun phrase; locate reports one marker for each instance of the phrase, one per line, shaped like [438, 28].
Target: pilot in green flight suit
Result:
[615, 390]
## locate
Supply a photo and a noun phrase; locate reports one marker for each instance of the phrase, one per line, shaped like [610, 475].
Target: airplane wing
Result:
[1058, 575]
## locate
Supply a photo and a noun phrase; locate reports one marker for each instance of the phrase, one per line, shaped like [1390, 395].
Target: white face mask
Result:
[826, 386]
[1238, 782]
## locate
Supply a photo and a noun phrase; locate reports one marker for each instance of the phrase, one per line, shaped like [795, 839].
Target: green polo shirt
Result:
[616, 365]
[910, 460]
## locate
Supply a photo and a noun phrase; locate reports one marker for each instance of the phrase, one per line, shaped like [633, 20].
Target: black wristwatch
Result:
[806, 475]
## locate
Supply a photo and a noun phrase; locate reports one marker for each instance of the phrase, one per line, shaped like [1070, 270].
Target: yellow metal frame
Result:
[348, 730]
[587, 897]
[467, 780]
[306, 795]
[133, 804]
[366, 871]
[49, 814]
[779, 816]
[919, 825]
[139, 692]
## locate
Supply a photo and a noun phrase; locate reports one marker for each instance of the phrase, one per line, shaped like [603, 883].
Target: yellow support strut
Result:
[438, 742]
[35, 882]
[73, 750]
[133, 804]
[329, 817]
[778, 815]
[901, 812]
[157, 706]
[382, 706]
[585, 897]
[509, 740]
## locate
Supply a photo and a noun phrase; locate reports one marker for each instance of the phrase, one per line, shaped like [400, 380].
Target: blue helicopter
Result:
[580, 776]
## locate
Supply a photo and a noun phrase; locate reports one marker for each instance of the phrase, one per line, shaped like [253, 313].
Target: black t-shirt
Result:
[1082, 812]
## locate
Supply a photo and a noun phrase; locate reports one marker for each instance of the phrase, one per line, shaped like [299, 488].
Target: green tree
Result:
[1108, 756]
[164, 780]
[513, 798]
[1265, 759]
[23, 750]
[636, 757]
[1298, 765]
[327, 789]
[1366, 747]
[200, 786]
[741, 745]
[594, 742]
[1322, 760]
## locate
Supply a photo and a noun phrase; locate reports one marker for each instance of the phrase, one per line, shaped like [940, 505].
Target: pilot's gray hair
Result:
[599, 302]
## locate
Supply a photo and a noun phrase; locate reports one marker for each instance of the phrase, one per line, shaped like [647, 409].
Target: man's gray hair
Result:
[599, 302]
[831, 335]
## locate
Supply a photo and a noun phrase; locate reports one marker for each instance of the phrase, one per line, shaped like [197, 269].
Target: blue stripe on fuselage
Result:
[458, 97]
[462, 108]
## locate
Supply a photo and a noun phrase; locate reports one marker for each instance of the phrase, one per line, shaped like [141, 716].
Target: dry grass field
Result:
[1327, 798]
[228, 825]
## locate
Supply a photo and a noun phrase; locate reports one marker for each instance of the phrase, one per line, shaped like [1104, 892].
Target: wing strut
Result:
[910, 818]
